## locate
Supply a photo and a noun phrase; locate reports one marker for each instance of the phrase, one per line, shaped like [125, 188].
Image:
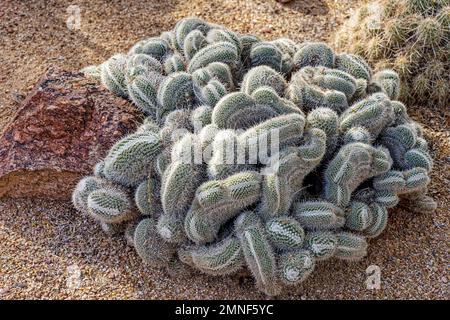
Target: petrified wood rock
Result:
[65, 125]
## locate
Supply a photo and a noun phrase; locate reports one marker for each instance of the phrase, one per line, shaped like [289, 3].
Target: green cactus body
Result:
[357, 134]
[326, 120]
[221, 258]
[353, 164]
[285, 233]
[224, 52]
[358, 216]
[130, 159]
[325, 78]
[92, 71]
[214, 71]
[143, 92]
[295, 266]
[212, 93]
[98, 169]
[217, 201]
[154, 47]
[170, 228]
[183, 175]
[314, 54]
[112, 73]
[318, 214]
[354, 65]
[247, 41]
[260, 258]
[268, 54]
[152, 249]
[186, 26]
[350, 246]
[193, 43]
[174, 63]
[242, 111]
[176, 92]
[373, 113]
[223, 35]
[110, 205]
[82, 190]
[308, 96]
[322, 244]
[146, 197]
[262, 76]
[379, 220]
[388, 81]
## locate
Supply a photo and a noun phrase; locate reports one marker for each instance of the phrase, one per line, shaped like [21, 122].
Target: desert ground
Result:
[42, 242]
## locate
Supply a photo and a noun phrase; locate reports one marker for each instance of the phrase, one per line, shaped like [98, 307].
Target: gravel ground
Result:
[44, 243]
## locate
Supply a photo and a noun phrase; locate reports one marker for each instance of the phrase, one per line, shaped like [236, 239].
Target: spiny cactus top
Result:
[410, 36]
[265, 155]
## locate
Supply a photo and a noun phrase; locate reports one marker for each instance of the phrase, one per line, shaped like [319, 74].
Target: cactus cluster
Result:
[269, 156]
[410, 36]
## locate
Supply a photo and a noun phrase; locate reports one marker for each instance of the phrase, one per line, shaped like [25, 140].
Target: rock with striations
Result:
[64, 126]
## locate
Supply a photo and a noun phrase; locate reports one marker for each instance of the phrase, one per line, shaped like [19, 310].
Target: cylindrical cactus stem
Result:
[353, 164]
[176, 92]
[354, 65]
[357, 134]
[212, 93]
[322, 244]
[152, 249]
[113, 73]
[239, 110]
[350, 246]
[154, 47]
[110, 205]
[318, 214]
[218, 201]
[183, 175]
[98, 169]
[146, 197]
[247, 41]
[387, 81]
[379, 220]
[224, 52]
[373, 113]
[263, 76]
[285, 233]
[223, 35]
[220, 258]
[170, 228]
[314, 54]
[201, 117]
[186, 26]
[130, 159]
[268, 54]
[218, 71]
[174, 63]
[260, 257]
[358, 216]
[295, 266]
[143, 91]
[329, 79]
[193, 43]
[83, 189]
[327, 120]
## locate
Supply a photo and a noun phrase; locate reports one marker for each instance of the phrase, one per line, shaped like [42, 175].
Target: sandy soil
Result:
[43, 242]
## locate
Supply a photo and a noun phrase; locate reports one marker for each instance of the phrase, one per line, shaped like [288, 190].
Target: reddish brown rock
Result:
[64, 126]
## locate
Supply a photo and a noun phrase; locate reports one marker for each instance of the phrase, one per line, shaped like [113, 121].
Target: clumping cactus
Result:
[269, 156]
[409, 36]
